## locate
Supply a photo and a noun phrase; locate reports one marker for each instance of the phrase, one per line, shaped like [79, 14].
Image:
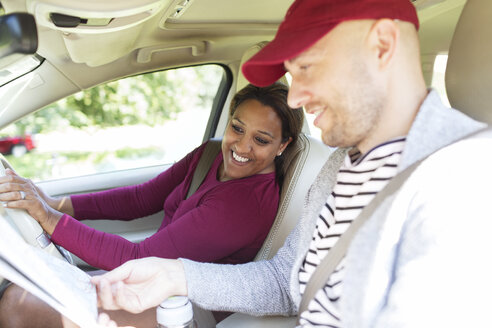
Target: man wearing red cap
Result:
[355, 65]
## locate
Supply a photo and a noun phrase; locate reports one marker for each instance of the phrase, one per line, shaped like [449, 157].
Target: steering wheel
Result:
[28, 228]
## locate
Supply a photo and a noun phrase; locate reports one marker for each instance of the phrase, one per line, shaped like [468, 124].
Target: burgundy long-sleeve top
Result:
[222, 222]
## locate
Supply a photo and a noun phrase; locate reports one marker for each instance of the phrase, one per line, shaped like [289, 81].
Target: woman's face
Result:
[252, 139]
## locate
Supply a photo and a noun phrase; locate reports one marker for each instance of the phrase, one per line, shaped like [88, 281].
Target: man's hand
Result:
[140, 284]
[103, 321]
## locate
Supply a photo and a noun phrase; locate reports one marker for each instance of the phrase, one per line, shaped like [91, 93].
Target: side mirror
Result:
[18, 35]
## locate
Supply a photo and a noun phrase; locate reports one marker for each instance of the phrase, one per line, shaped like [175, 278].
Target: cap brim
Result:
[267, 66]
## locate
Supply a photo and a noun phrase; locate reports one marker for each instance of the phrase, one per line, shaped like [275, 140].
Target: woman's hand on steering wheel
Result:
[17, 192]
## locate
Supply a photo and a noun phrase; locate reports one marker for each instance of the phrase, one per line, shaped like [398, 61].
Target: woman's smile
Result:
[238, 158]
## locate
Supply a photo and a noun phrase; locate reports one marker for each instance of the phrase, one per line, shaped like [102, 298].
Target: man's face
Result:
[335, 80]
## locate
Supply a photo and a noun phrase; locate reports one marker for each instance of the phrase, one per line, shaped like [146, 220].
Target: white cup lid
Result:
[175, 311]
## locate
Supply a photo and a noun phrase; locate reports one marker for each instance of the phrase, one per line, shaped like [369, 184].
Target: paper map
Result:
[61, 285]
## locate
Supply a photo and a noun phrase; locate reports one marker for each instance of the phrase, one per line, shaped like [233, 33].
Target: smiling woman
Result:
[249, 151]
[224, 221]
[260, 128]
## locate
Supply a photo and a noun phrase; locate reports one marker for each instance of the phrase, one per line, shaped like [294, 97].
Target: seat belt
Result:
[212, 148]
[328, 265]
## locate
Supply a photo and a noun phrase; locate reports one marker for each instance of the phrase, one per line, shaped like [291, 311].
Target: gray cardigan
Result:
[272, 287]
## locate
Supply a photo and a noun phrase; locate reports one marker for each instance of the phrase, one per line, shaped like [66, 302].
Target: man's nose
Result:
[297, 96]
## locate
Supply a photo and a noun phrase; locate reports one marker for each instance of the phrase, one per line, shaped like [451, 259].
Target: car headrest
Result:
[469, 68]
[241, 80]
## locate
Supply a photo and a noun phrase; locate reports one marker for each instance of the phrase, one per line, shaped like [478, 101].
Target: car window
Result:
[438, 82]
[144, 120]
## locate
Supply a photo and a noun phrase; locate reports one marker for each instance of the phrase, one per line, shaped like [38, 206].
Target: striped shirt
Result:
[359, 179]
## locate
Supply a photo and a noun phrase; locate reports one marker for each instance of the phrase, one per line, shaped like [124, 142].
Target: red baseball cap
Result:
[307, 21]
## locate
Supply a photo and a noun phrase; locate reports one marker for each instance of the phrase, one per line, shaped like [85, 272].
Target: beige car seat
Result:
[304, 161]
[469, 68]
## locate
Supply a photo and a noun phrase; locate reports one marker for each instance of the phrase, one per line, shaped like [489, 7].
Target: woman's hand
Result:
[140, 284]
[17, 192]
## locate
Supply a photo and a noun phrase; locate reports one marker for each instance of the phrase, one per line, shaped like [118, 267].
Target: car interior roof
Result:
[201, 34]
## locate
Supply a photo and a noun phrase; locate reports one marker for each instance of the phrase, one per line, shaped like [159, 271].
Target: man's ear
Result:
[383, 37]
